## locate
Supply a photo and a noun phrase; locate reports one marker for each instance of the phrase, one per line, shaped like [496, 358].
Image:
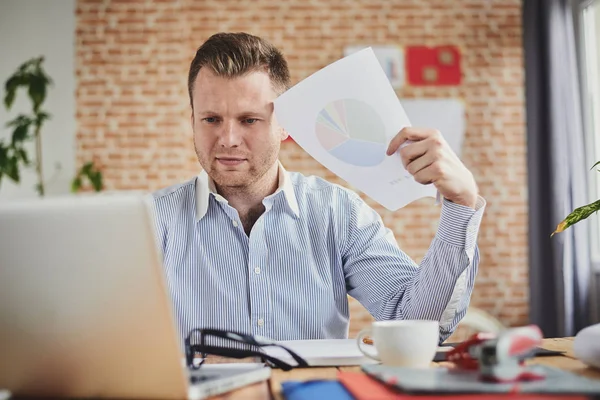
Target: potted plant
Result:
[27, 127]
[579, 213]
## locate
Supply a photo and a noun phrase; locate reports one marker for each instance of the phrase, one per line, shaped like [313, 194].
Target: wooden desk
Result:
[272, 390]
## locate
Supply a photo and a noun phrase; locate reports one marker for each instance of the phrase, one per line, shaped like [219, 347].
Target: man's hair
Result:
[232, 55]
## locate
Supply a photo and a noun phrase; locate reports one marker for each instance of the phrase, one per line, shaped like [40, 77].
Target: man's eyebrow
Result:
[206, 112]
[253, 112]
[240, 114]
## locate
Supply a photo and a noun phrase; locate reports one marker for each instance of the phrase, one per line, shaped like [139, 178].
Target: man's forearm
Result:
[442, 287]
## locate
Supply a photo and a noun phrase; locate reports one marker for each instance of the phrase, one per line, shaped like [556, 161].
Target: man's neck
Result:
[248, 200]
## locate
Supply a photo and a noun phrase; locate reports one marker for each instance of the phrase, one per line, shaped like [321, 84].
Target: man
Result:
[252, 248]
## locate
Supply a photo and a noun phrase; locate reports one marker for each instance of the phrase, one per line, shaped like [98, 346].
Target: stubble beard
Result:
[238, 180]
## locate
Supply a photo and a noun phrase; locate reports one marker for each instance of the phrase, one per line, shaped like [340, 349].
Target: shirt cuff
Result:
[459, 225]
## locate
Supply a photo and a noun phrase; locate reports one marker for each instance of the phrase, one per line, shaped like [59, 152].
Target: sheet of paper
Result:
[322, 352]
[391, 59]
[344, 116]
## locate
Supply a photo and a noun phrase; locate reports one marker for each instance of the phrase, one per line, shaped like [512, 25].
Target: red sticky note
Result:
[434, 66]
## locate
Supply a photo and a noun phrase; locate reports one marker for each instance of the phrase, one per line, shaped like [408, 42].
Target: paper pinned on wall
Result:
[446, 115]
[344, 116]
[391, 59]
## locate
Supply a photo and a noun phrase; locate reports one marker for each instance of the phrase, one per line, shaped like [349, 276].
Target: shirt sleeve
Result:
[390, 285]
[158, 226]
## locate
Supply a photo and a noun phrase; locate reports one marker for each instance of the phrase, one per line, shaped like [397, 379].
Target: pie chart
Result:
[352, 132]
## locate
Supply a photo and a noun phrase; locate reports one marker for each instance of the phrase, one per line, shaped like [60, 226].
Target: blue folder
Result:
[315, 389]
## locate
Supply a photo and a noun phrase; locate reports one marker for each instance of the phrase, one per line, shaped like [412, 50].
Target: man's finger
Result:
[413, 151]
[420, 163]
[409, 133]
[427, 175]
[395, 143]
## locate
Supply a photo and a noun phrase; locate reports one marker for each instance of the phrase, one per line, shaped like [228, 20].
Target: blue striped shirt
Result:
[315, 244]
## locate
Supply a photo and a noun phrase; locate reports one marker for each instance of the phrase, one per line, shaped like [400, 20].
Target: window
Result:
[590, 52]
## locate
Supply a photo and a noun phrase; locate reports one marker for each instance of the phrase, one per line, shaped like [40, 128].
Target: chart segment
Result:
[352, 131]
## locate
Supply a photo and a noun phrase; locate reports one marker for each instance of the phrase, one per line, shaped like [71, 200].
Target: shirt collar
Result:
[205, 187]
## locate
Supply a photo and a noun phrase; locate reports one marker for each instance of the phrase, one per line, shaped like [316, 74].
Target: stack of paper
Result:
[325, 352]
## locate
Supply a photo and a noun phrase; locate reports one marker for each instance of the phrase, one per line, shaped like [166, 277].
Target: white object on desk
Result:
[586, 345]
[401, 343]
[324, 352]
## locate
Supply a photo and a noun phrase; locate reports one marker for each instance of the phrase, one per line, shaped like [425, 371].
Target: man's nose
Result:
[230, 136]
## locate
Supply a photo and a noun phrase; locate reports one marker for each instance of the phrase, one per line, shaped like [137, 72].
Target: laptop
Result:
[84, 307]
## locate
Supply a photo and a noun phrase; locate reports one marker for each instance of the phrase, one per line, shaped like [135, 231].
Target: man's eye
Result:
[250, 121]
[210, 120]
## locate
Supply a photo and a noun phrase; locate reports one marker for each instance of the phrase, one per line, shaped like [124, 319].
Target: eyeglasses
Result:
[245, 346]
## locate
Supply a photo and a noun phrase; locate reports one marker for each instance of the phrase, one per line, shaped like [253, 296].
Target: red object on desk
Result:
[499, 358]
[433, 65]
[465, 354]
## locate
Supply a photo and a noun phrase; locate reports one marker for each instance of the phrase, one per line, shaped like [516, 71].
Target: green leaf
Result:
[76, 184]
[37, 91]
[3, 154]
[597, 163]
[577, 215]
[88, 171]
[87, 168]
[96, 179]
[20, 120]
[20, 134]
[23, 154]
[12, 169]
[11, 86]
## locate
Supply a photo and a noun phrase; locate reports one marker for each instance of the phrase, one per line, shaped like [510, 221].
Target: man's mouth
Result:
[230, 161]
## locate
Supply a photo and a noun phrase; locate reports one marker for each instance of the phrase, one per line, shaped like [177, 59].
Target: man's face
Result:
[236, 136]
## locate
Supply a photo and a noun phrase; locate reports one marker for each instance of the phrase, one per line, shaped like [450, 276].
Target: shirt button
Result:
[260, 322]
[257, 270]
[234, 222]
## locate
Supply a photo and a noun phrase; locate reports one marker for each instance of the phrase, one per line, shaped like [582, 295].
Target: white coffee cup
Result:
[402, 343]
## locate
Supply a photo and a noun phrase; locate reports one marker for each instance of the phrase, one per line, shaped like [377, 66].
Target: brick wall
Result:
[133, 116]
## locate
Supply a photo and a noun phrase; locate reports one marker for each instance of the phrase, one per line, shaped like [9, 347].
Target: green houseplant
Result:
[89, 171]
[579, 213]
[27, 127]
